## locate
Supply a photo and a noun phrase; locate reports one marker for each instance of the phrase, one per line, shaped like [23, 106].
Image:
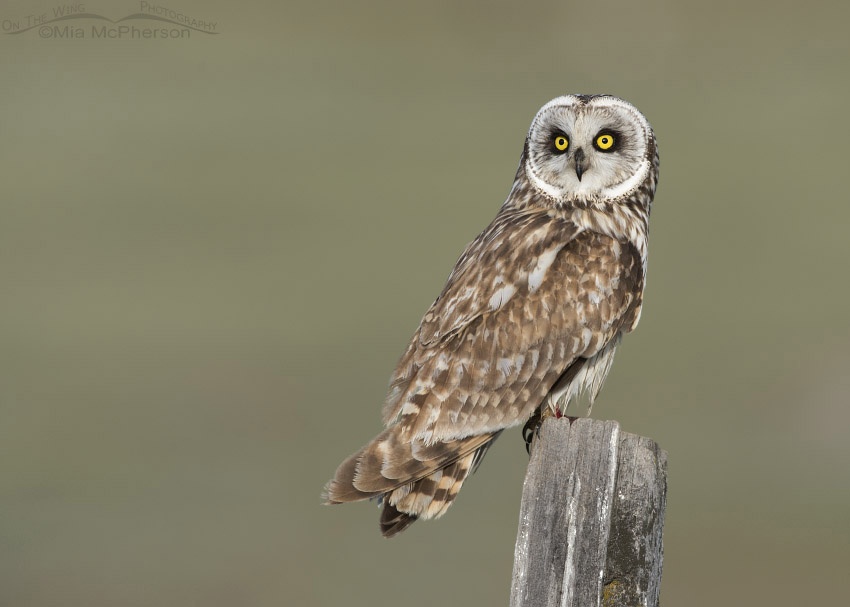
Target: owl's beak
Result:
[579, 160]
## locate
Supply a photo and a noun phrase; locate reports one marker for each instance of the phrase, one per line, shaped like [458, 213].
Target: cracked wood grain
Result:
[591, 518]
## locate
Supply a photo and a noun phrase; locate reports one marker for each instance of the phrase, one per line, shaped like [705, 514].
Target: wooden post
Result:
[591, 519]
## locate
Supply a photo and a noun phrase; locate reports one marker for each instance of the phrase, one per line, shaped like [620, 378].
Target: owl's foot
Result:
[531, 429]
[559, 415]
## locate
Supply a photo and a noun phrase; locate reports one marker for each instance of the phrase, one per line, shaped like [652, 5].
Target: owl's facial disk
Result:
[587, 149]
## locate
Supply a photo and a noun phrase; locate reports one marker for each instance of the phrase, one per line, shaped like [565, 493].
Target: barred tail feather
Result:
[427, 498]
[413, 480]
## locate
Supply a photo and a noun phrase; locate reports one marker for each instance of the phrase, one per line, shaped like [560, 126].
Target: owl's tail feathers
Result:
[412, 479]
[429, 497]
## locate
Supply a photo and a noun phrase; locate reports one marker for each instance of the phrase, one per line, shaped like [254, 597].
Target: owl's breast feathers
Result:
[531, 295]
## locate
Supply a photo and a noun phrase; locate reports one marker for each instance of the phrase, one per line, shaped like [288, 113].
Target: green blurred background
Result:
[215, 249]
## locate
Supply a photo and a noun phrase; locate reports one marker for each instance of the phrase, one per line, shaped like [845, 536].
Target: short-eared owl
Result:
[530, 315]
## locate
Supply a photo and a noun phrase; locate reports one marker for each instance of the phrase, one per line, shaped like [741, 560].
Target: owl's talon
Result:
[531, 430]
[527, 434]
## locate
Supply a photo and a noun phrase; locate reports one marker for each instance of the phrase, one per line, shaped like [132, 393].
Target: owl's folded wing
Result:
[510, 256]
[528, 298]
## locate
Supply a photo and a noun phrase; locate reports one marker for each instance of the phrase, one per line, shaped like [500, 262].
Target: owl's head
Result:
[588, 148]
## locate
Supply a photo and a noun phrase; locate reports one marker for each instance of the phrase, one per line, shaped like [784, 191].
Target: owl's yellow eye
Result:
[605, 141]
[561, 143]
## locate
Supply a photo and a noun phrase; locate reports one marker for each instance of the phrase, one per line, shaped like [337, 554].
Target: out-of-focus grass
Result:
[214, 250]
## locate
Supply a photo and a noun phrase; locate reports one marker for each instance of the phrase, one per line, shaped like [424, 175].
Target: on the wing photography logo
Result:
[151, 21]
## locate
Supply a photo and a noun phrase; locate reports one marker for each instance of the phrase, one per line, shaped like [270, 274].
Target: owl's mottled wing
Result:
[530, 296]
[517, 247]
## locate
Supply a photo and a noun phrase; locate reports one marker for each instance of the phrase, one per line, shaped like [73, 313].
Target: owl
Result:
[530, 316]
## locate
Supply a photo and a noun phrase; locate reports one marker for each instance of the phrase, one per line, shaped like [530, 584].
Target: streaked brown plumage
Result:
[530, 316]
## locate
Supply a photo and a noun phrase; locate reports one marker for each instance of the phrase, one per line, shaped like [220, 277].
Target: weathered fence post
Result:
[591, 518]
